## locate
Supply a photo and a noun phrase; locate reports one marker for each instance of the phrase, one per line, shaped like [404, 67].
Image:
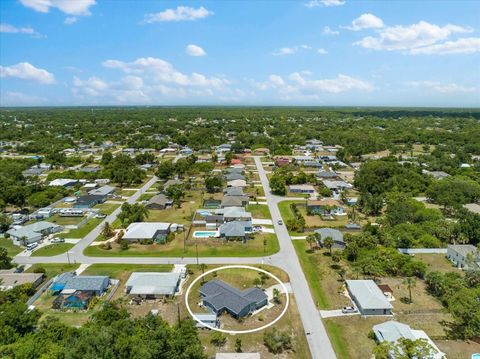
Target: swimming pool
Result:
[476, 356]
[204, 234]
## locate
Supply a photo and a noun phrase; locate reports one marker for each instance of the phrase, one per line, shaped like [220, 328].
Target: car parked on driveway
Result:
[58, 240]
[346, 310]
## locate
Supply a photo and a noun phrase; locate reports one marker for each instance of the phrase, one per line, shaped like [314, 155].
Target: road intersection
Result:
[286, 259]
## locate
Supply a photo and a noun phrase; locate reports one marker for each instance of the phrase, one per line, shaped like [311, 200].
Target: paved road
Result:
[286, 259]
[320, 346]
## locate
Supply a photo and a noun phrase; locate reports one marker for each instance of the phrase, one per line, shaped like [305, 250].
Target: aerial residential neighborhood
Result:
[239, 179]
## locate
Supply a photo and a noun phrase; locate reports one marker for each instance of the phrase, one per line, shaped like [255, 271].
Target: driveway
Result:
[335, 313]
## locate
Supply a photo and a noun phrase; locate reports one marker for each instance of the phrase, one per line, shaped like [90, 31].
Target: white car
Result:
[346, 310]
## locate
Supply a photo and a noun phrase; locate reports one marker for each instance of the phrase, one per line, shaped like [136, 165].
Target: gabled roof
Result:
[463, 249]
[368, 295]
[233, 201]
[102, 191]
[221, 295]
[234, 176]
[85, 282]
[336, 235]
[89, 199]
[233, 212]
[234, 191]
[160, 199]
[234, 228]
[326, 174]
[148, 283]
[32, 230]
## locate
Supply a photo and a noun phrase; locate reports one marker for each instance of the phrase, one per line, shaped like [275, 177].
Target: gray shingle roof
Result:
[84, 282]
[234, 228]
[336, 235]
[221, 295]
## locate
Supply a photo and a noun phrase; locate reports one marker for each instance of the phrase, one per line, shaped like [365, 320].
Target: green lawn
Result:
[83, 231]
[52, 250]
[65, 221]
[11, 248]
[335, 334]
[285, 210]
[53, 269]
[107, 208]
[310, 269]
[253, 248]
[116, 270]
[260, 211]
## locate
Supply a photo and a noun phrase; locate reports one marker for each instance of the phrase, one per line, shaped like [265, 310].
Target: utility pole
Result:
[196, 249]
[178, 312]
[68, 258]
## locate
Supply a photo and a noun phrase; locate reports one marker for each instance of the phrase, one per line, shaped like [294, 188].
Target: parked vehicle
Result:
[32, 246]
[347, 310]
[58, 240]
[280, 222]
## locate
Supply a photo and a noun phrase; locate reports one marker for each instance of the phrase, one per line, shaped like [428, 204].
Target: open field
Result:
[11, 248]
[206, 248]
[52, 249]
[84, 230]
[183, 215]
[437, 262]
[260, 211]
[107, 208]
[65, 221]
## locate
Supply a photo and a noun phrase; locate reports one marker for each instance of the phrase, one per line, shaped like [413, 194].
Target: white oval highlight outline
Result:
[233, 332]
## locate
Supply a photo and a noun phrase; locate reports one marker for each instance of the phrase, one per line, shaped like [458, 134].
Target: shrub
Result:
[39, 270]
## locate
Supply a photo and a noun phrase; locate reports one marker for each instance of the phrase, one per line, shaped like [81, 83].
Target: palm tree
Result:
[107, 230]
[311, 240]
[264, 246]
[202, 267]
[409, 282]
[257, 282]
[328, 243]
[276, 295]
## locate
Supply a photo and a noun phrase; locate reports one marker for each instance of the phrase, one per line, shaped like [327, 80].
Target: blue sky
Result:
[312, 52]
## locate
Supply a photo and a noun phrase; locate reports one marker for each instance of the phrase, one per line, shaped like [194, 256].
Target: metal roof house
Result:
[102, 191]
[9, 279]
[392, 331]
[33, 232]
[153, 284]
[220, 297]
[335, 234]
[368, 297]
[138, 231]
[208, 319]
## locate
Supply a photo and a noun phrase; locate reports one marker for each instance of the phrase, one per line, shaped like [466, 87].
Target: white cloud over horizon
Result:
[26, 71]
[441, 87]
[69, 7]
[366, 21]
[326, 3]
[181, 13]
[291, 50]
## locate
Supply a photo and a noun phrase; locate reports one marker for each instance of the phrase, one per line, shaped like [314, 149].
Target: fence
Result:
[423, 250]
[39, 292]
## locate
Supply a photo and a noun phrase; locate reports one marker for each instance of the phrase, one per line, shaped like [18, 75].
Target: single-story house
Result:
[90, 169]
[326, 174]
[233, 191]
[335, 234]
[156, 231]
[221, 297]
[214, 220]
[34, 171]
[58, 283]
[303, 159]
[234, 176]
[232, 170]
[171, 183]
[98, 284]
[44, 212]
[392, 331]
[301, 188]
[234, 214]
[438, 175]
[88, 201]
[102, 191]
[33, 232]
[237, 356]
[314, 163]
[368, 298]
[261, 151]
[9, 279]
[326, 206]
[465, 256]
[234, 201]
[337, 185]
[208, 319]
[282, 161]
[237, 183]
[159, 201]
[64, 182]
[153, 284]
[187, 151]
[235, 229]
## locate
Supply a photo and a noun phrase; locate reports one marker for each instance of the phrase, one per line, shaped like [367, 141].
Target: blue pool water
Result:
[476, 356]
[204, 234]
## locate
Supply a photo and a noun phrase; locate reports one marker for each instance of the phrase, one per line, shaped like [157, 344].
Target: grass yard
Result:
[206, 248]
[107, 208]
[254, 191]
[259, 211]
[12, 249]
[324, 282]
[65, 221]
[83, 231]
[437, 262]
[145, 197]
[183, 215]
[53, 269]
[119, 270]
[52, 250]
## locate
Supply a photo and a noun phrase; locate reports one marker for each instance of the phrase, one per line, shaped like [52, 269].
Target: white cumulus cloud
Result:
[441, 87]
[69, 7]
[366, 21]
[181, 13]
[322, 51]
[328, 31]
[70, 20]
[26, 71]
[10, 29]
[290, 50]
[194, 50]
[467, 45]
[327, 3]
[408, 38]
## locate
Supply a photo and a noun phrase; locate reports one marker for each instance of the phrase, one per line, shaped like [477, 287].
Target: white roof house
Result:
[146, 230]
[336, 185]
[102, 191]
[153, 283]
[369, 299]
[392, 331]
[63, 182]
